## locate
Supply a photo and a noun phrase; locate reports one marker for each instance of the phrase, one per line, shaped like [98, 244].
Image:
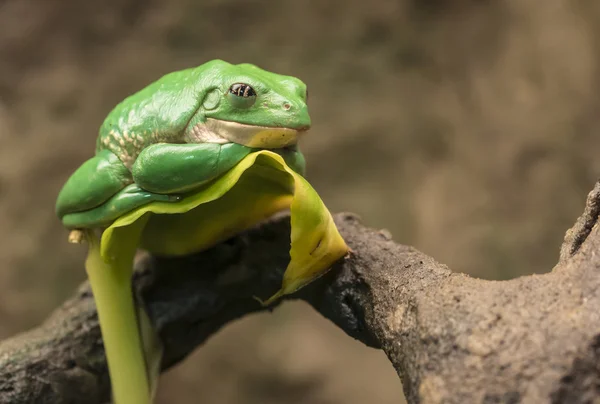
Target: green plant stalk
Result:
[111, 286]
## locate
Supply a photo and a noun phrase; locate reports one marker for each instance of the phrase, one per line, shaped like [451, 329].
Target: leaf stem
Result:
[111, 286]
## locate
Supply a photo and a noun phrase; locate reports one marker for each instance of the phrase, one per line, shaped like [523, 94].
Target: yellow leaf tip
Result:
[271, 300]
[259, 300]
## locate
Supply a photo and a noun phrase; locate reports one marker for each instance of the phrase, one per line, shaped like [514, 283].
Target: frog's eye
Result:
[242, 90]
[242, 95]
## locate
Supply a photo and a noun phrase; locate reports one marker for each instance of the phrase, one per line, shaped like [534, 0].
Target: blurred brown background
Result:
[468, 128]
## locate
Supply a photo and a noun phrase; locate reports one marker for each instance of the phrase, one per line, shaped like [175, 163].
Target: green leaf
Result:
[259, 186]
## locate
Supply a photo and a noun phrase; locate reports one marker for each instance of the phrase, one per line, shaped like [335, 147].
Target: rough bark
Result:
[452, 338]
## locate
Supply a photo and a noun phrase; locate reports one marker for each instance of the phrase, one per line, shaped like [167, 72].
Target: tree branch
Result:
[452, 338]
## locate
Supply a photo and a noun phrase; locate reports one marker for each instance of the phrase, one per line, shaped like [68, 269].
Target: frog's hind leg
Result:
[99, 191]
[93, 183]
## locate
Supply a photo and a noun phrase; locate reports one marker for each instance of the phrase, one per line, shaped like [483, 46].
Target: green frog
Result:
[181, 132]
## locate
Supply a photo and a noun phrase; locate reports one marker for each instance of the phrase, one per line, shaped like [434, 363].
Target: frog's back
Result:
[158, 113]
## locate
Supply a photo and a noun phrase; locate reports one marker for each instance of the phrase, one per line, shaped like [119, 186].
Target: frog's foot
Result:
[136, 193]
[76, 236]
[126, 200]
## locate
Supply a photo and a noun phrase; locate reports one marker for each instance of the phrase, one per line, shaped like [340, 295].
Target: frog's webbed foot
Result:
[126, 200]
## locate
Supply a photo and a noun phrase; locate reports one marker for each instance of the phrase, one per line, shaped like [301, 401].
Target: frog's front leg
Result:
[177, 168]
[293, 158]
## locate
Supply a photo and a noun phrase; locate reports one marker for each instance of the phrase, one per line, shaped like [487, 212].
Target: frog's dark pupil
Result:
[242, 90]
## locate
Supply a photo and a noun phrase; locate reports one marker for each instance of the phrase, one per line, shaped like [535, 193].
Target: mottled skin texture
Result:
[180, 132]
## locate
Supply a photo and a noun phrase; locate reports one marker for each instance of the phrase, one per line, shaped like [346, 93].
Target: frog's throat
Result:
[264, 137]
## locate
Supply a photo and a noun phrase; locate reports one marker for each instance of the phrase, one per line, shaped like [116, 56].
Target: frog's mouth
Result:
[263, 137]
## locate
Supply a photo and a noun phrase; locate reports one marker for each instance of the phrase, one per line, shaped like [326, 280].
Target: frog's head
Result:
[247, 105]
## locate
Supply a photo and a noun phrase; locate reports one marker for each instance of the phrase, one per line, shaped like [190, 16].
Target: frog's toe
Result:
[167, 198]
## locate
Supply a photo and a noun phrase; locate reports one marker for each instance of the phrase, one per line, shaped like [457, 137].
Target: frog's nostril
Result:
[287, 106]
